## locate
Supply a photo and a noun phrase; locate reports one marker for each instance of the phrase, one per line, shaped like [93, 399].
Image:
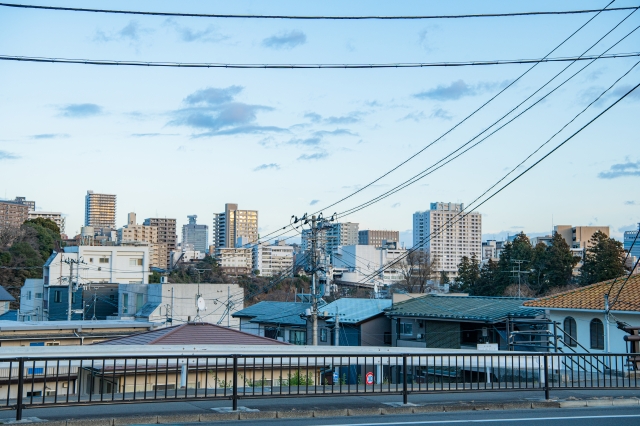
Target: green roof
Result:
[466, 308]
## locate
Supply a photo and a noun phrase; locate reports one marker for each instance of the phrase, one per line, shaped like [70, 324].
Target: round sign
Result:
[369, 378]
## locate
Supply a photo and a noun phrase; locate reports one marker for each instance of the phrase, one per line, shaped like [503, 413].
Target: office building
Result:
[195, 235]
[447, 235]
[13, 214]
[166, 234]
[375, 238]
[53, 216]
[273, 259]
[100, 210]
[629, 238]
[23, 200]
[234, 225]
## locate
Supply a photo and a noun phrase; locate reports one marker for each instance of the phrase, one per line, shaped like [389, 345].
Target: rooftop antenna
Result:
[200, 305]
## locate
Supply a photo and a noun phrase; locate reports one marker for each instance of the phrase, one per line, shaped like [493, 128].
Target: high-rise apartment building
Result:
[578, 236]
[273, 259]
[133, 234]
[332, 237]
[195, 235]
[233, 225]
[375, 238]
[53, 216]
[629, 238]
[100, 210]
[12, 214]
[166, 234]
[23, 200]
[448, 234]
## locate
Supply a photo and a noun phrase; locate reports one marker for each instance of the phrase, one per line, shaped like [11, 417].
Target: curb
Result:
[369, 411]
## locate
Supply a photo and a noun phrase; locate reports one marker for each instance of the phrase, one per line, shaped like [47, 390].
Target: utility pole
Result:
[519, 262]
[314, 300]
[70, 288]
[336, 329]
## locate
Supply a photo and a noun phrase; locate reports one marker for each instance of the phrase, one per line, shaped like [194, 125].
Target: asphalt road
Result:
[614, 416]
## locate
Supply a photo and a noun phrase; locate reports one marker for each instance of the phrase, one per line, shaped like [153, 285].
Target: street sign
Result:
[369, 378]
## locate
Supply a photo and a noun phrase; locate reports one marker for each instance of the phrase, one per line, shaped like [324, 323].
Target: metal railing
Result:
[65, 381]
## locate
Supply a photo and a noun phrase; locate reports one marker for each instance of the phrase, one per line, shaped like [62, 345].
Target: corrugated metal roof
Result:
[355, 310]
[5, 296]
[469, 308]
[193, 334]
[286, 313]
[592, 296]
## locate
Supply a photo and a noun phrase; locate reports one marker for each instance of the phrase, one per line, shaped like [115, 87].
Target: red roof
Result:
[193, 333]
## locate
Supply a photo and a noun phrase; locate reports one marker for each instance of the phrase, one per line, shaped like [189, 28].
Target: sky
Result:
[171, 142]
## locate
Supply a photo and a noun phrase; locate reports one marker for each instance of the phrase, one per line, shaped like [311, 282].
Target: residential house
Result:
[455, 322]
[581, 321]
[283, 321]
[361, 322]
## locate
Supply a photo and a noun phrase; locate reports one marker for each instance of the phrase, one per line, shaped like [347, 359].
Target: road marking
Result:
[527, 419]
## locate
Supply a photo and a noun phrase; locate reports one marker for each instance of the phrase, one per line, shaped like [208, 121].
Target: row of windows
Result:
[596, 333]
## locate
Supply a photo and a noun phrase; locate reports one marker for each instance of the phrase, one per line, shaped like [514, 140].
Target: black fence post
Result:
[234, 395]
[546, 377]
[405, 393]
[20, 389]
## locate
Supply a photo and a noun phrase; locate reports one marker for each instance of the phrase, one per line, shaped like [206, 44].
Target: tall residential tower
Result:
[233, 225]
[100, 210]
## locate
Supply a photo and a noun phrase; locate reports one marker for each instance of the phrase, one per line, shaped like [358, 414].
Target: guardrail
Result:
[65, 381]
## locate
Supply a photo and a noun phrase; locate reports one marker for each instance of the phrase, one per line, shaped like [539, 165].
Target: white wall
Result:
[30, 303]
[583, 320]
[184, 301]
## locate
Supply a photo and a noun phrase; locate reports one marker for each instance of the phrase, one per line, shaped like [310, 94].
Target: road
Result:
[614, 416]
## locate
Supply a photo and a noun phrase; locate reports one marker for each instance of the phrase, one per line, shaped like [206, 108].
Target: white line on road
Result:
[527, 419]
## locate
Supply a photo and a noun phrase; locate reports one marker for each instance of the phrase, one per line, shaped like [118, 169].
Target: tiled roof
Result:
[470, 308]
[592, 297]
[193, 334]
[285, 313]
[352, 310]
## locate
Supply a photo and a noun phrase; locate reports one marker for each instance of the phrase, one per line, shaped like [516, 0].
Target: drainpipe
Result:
[607, 347]
[79, 337]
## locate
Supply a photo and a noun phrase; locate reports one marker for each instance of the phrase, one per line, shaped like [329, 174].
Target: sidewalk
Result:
[197, 411]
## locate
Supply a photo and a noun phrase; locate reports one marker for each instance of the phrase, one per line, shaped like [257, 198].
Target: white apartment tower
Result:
[100, 210]
[448, 234]
[233, 225]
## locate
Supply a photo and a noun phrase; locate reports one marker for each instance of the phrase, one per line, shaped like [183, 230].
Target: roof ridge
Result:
[174, 329]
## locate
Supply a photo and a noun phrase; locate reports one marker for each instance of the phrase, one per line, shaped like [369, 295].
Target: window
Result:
[275, 333]
[37, 370]
[596, 332]
[104, 260]
[34, 393]
[52, 344]
[91, 259]
[298, 337]
[323, 334]
[387, 338]
[570, 332]
[29, 295]
[125, 303]
[406, 328]
[135, 262]
[57, 295]
[139, 300]
[38, 295]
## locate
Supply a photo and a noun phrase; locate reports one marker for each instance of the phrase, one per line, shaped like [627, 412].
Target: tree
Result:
[485, 286]
[558, 264]
[417, 268]
[603, 260]
[468, 274]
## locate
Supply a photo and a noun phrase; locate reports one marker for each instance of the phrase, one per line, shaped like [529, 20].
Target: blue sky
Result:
[174, 141]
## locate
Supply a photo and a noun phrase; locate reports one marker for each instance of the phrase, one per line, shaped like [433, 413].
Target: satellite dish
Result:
[201, 304]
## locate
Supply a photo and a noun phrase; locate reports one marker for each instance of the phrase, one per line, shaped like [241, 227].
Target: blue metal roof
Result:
[274, 313]
[469, 308]
[354, 311]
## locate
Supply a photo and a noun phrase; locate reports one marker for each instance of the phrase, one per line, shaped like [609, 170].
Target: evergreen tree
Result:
[604, 260]
[468, 274]
[485, 286]
[559, 263]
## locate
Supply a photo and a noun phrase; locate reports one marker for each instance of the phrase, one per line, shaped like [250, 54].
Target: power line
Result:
[311, 17]
[428, 237]
[308, 66]
[440, 162]
[625, 261]
[467, 117]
